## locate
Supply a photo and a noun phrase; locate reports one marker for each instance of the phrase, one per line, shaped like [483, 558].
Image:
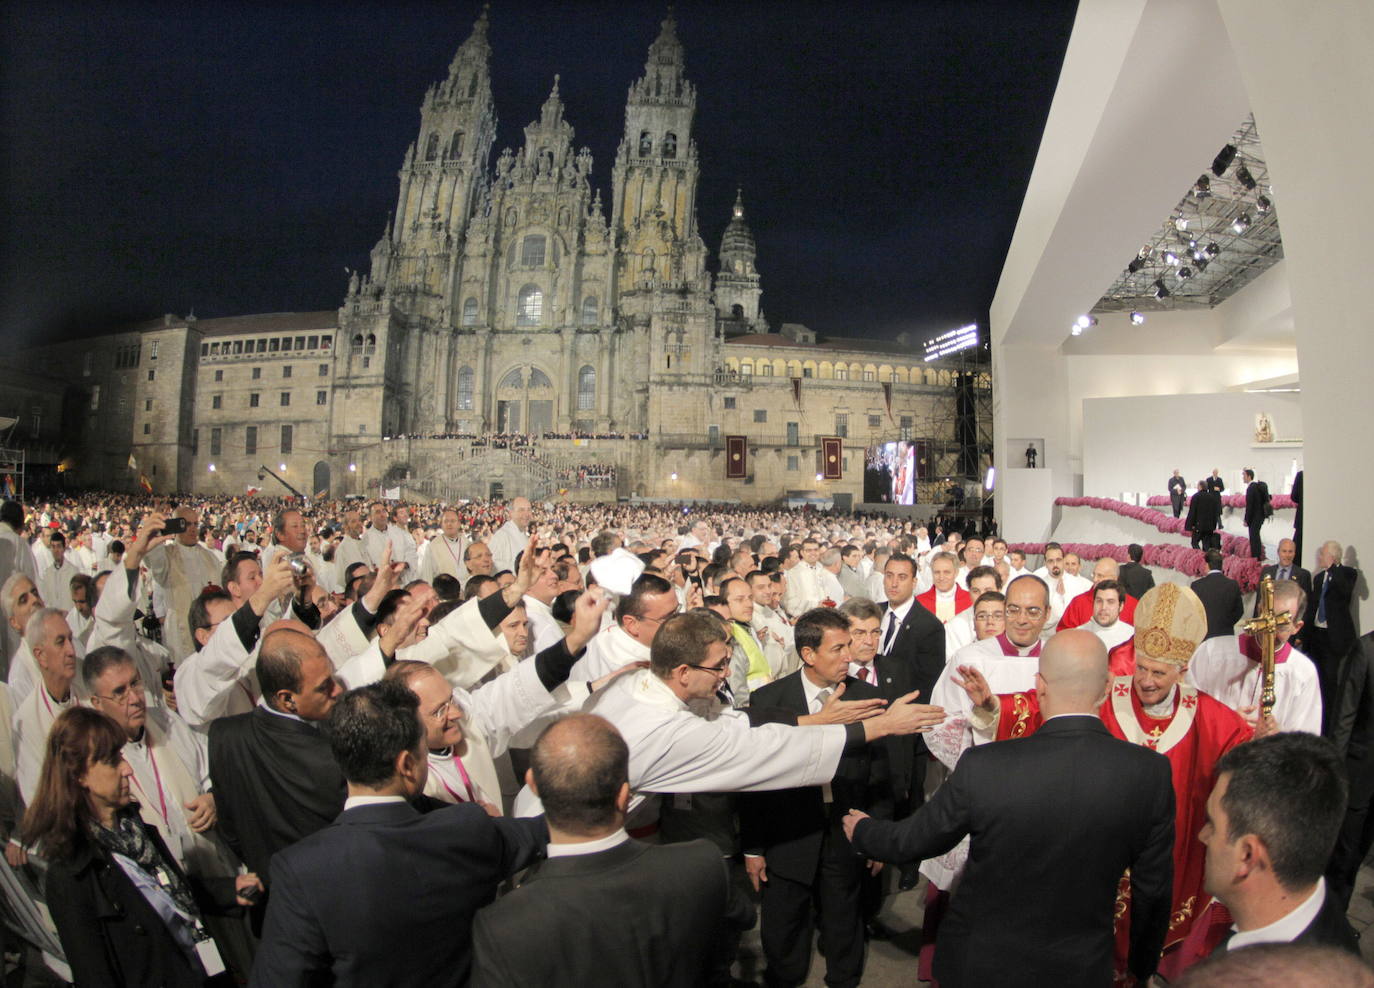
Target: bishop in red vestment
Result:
[1156, 708]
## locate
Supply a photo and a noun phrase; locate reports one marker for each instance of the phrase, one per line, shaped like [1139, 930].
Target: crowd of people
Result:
[284, 742]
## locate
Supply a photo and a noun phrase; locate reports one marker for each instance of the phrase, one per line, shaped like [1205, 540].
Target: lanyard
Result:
[467, 783]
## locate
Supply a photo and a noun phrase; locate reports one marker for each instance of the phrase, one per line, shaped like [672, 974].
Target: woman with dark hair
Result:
[125, 911]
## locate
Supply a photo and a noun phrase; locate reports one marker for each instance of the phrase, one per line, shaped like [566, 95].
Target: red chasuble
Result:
[1193, 737]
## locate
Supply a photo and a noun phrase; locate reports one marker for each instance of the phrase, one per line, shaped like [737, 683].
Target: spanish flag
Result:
[145, 483]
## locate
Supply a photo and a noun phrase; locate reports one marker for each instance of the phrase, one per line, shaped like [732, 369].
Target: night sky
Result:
[232, 158]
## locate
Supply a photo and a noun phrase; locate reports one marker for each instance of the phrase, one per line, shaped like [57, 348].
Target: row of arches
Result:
[826, 370]
[453, 150]
[518, 380]
[646, 144]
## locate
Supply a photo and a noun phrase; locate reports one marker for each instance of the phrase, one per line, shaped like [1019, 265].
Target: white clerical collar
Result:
[262, 702]
[1164, 707]
[949, 594]
[1287, 928]
[353, 801]
[590, 846]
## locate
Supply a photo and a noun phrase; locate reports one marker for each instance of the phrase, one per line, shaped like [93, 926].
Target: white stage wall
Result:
[1025, 503]
[1134, 444]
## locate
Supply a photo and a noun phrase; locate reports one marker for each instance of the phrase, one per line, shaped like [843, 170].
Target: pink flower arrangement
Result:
[1167, 555]
[1279, 501]
[1230, 544]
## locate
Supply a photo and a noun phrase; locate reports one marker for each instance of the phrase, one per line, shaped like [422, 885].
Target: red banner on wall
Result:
[736, 457]
[831, 449]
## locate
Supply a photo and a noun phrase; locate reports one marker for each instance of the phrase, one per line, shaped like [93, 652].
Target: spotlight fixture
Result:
[1263, 204]
[1137, 318]
[1171, 258]
[1144, 252]
[1213, 250]
[1223, 160]
[1203, 186]
[1244, 177]
[1181, 223]
[1083, 322]
[1161, 291]
[1184, 273]
[1075, 330]
[1201, 264]
[1197, 254]
[1241, 223]
[1135, 265]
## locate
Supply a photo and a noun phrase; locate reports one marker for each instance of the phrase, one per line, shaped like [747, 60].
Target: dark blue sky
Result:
[231, 158]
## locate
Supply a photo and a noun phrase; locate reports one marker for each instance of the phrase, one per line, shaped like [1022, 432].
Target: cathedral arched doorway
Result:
[524, 401]
[320, 485]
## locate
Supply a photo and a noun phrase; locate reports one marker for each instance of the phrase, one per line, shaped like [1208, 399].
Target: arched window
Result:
[746, 369]
[532, 252]
[737, 311]
[455, 146]
[472, 86]
[465, 384]
[646, 144]
[371, 339]
[470, 312]
[514, 379]
[648, 266]
[529, 308]
[586, 389]
[432, 147]
[670, 145]
[358, 340]
[538, 379]
[765, 369]
[589, 311]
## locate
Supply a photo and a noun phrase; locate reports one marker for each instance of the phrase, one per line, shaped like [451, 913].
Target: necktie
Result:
[821, 697]
[1283, 573]
[891, 629]
[863, 674]
[1321, 601]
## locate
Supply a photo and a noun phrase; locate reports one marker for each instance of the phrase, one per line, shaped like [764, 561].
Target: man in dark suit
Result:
[386, 895]
[1329, 628]
[1220, 596]
[1056, 819]
[911, 656]
[1352, 731]
[1204, 517]
[1178, 492]
[1286, 569]
[1256, 511]
[1214, 483]
[1272, 819]
[796, 853]
[274, 777]
[603, 909]
[1135, 576]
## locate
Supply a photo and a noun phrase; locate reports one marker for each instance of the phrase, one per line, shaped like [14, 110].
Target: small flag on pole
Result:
[145, 483]
[133, 464]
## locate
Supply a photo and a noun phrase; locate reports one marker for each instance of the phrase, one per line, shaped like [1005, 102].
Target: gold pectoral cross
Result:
[1264, 629]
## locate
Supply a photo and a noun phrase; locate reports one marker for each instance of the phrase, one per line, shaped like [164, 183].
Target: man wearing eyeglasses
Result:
[171, 780]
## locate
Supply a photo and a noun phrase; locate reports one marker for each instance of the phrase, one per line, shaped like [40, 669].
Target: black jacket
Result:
[1056, 819]
[1204, 513]
[1221, 598]
[789, 825]
[1136, 579]
[110, 934]
[1256, 500]
[634, 916]
[275, 782]
[913, 661]
[1340, 622]
[386, 896]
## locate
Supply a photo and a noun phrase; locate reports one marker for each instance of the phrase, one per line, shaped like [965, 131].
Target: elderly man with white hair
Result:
[50, 639]
[510, 539]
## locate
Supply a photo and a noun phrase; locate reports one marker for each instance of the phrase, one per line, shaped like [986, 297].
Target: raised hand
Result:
[836, 712]
[586, 622]
[976, 686]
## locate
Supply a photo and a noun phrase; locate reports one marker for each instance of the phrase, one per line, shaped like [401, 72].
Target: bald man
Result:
[511, 538]
[182, 568]
[275, 778]
[659, 909]
[1080, 610]
[1092, 806]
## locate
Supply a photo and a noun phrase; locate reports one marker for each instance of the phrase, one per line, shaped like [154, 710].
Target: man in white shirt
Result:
[182, 568]
[375, 540]
[444, 554]
[959, 630]
[804, 588]
[1229, 668]
[1016, 565]
[351, 548]
[1064, 586]
[21, 600]
[1272, 820]
[15, 557]
[511, 538]
[539, 598]
[831, 562]
[1106, 623]
[50, 640]
[289, 535]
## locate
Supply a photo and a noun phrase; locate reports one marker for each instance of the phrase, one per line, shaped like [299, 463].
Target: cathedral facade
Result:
[507, 297]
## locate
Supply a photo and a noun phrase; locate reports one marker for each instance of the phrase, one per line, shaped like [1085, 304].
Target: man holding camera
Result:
[182, 568]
